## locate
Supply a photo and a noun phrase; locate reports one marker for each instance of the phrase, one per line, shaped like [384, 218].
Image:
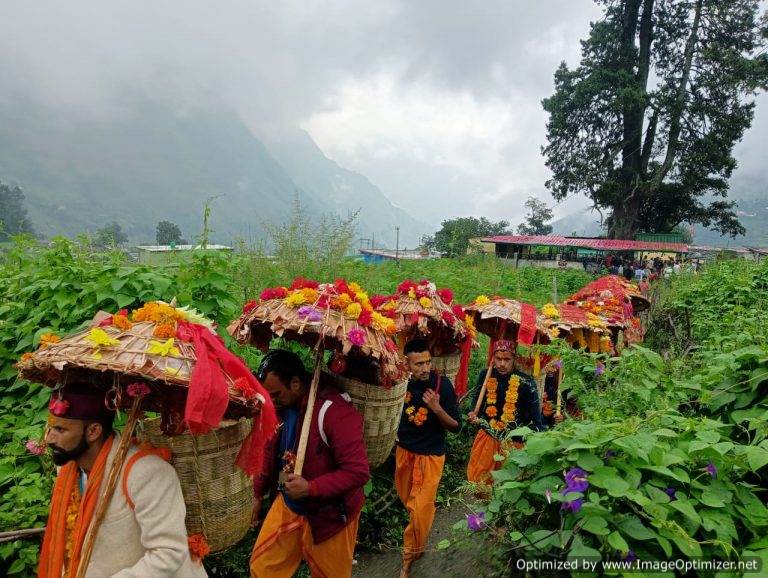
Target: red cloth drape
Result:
[527, 331]
[462, 377]
[208, 394]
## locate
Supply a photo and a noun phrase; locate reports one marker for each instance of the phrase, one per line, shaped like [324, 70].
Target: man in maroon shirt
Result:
[313, 516]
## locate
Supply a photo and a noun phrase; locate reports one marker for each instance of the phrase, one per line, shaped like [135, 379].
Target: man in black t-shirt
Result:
[430, 409]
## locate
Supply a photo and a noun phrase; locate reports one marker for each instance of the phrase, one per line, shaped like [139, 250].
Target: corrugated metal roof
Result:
[586, 243]
[167, 248]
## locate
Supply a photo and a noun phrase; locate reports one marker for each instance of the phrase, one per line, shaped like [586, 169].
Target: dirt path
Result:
[461, 560]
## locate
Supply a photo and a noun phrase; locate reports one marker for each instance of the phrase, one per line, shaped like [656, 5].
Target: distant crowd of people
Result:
[641, 271]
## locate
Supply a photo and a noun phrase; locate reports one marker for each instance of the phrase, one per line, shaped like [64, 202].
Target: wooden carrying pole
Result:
[559, 404]
[307, 423]
[481, 396]
[109, 487]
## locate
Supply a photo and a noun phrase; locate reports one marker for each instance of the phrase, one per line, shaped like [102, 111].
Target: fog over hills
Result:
[151, 161]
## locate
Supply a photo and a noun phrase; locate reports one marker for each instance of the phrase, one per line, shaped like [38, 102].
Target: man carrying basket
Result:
[143, 532]
[313, 516]
[430, 409]
[511, 400]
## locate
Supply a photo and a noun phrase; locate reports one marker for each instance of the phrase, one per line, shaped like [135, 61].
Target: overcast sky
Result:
[438, 102]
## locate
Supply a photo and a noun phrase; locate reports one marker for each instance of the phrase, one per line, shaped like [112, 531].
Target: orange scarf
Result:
[54, 542]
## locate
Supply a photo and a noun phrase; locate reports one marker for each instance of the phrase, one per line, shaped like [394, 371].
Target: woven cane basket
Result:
[381, 410]
[218, 495]
[448, 365]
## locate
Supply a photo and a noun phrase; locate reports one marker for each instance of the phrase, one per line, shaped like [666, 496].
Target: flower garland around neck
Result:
[509, 409]
[73, 511]
[417, 416]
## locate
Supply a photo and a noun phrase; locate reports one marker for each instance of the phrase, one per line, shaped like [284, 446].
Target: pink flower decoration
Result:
[138, 389]
[58, 407]
[34, 447]
[356, 337]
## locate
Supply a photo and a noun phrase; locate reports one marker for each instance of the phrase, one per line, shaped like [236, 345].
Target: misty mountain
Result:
[343, 190]
[149, 162]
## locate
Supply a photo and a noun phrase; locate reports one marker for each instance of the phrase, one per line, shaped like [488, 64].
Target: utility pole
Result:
[397, 243]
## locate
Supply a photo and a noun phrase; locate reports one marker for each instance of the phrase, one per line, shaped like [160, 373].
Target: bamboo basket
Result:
[218, 495]
[381, 409]
[448, 365]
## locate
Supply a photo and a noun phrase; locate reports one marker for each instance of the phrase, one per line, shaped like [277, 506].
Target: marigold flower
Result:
[198, 547]
[425, 302]
[164, 331]
[412, 293]
[482, 300]
[342, 301]
[47, 339]
[295, 299]
[550, 311]
[121, 322]
[353, 310]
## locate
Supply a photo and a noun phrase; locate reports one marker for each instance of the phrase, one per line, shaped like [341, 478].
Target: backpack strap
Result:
[146, 450]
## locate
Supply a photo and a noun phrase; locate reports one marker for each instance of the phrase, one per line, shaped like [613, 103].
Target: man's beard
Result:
[61, 457]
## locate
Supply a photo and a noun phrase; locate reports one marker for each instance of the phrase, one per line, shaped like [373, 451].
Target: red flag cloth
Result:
[208, 394]
[462, 377]
[527, 331]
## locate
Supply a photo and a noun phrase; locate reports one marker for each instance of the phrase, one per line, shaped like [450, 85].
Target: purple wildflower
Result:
[630, 556]
[476, 522]
[712, 470]
[310, 313]
[575, 481]
[599, 369]
[573, 505]
[671, 492]
[609, 454]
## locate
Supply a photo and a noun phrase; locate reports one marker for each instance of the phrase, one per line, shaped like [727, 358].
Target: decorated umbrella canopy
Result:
[423, 310]
[339, 314]
[502, 318]
[578, 326]
[172, 351]
[611, 296]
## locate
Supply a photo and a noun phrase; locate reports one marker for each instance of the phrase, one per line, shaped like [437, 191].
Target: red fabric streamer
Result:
[462, 377]
[527, 331]
[208, 394]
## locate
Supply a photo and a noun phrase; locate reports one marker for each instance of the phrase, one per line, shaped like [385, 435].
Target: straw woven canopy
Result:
[328, 311]
[500, 318]
[570, 317]
[108, 356]
[422, 310]
[612, 287]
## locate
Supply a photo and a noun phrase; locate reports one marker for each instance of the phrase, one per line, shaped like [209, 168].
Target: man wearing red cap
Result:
[143, 532]
[511, 400]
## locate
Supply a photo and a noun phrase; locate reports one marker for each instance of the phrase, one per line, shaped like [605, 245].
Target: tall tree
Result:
[110, 234]
[453, 237]
[645, 125]
[536, 219]
[167, 233]
[13, 213]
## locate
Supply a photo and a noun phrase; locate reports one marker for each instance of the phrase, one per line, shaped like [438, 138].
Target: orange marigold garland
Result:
[73, 511]
[47, 339]
[509, 409]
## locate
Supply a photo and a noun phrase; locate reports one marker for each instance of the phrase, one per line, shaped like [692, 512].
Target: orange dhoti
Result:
[285, 538]
[416, 480]
[481, 458]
